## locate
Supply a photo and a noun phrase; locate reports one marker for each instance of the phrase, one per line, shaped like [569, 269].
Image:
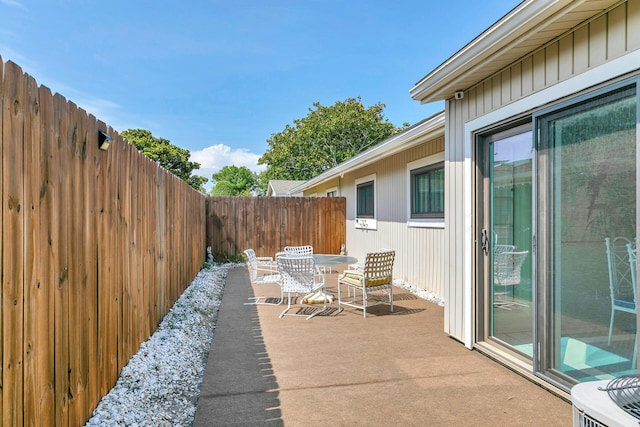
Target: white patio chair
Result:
[262, 271]
[507, 271]
[621, 277]
[377, 275]
[303, 250]
[298, 275]
[298, 250]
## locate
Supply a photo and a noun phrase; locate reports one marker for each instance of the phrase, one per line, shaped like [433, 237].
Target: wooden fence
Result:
[96, 247]
[267, 224]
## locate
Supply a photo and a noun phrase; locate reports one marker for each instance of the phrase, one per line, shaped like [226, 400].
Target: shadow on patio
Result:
[342, 369]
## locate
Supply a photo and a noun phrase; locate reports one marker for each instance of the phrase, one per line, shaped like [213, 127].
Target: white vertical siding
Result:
[419, 251]
[608, 36]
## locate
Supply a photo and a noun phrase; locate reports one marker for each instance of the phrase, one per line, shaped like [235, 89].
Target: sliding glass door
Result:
[587, 222]
[556, 238]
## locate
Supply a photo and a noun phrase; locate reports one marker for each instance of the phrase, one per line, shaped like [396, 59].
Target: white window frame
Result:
[331, 190]
[366, 223]
[411, 166]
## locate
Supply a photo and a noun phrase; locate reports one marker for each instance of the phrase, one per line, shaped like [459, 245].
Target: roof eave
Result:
[440, 83]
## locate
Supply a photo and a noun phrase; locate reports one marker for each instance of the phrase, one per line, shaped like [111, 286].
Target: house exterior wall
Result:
[572, 62]
[419, 251]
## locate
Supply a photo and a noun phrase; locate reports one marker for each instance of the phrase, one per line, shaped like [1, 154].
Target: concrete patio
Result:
[396, 369]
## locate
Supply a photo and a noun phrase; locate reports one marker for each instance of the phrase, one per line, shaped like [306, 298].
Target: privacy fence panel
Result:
[96, 247]
[268, 224]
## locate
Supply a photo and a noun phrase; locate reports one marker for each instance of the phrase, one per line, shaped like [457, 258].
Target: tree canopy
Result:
[171, 157]
[234, 181]
[323, 139]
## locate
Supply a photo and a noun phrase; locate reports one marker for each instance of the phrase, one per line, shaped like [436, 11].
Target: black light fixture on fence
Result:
[104, 140]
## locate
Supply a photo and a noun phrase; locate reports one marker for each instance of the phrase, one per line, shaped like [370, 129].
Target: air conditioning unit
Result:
[596, 404]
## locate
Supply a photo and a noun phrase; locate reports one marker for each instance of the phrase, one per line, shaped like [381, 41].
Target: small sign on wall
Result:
[366, 223]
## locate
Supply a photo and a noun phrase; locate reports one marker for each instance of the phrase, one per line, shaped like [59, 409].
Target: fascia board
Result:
[521, 19]
[428, 129]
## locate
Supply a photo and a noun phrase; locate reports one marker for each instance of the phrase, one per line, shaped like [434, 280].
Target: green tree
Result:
[234, 181]
[172, 158]
[323, 139]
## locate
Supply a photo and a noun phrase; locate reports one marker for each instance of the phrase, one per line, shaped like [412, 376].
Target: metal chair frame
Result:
[299, 275]
[621, 261]
[507, 271]
[262, 271]
[376, 275]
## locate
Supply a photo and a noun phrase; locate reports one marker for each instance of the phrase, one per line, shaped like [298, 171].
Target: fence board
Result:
[61, 252]
[78, 293]
[38, 318]
[13, 232]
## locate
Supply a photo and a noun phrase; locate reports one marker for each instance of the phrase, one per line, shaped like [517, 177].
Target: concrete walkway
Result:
[396, 369]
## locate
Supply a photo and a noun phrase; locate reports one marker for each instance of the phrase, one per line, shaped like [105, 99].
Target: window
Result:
[332, 192]
[425, 192]
[366, 202]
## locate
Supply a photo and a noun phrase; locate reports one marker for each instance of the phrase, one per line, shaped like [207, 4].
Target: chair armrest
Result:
[352, 273]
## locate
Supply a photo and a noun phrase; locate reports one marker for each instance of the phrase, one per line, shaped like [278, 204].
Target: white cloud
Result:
[215, 157]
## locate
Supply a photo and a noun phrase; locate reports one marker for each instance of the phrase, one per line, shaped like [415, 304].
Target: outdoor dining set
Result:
[300, 275]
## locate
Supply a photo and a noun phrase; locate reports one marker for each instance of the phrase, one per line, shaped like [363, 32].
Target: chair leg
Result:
[288, 306]
[364, 302]
[635, 352]
[256, 301]
[611, 325]
[315, 313]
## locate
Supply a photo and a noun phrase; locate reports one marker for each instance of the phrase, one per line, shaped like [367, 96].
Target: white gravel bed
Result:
[420, 293]
[161, 383]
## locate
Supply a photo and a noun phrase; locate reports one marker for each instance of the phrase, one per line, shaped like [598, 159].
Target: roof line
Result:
[413, 135]
[492, 40]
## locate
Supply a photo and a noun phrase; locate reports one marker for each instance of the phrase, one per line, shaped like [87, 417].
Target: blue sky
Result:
[220, 77]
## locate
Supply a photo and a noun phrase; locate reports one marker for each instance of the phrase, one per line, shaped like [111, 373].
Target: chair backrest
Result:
[297, 273]
[507, 267]
[298, 250]
[379, 266]
[620, 280]
[252, 263]
[498, 249]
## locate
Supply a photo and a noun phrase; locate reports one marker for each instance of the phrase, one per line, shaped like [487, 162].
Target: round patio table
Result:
[330, 260]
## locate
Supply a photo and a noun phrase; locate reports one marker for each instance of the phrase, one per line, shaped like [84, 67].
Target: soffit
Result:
[528, 27]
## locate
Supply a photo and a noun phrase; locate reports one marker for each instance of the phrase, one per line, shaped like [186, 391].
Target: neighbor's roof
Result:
[422, 131]
[282, 187]
[528, 27]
